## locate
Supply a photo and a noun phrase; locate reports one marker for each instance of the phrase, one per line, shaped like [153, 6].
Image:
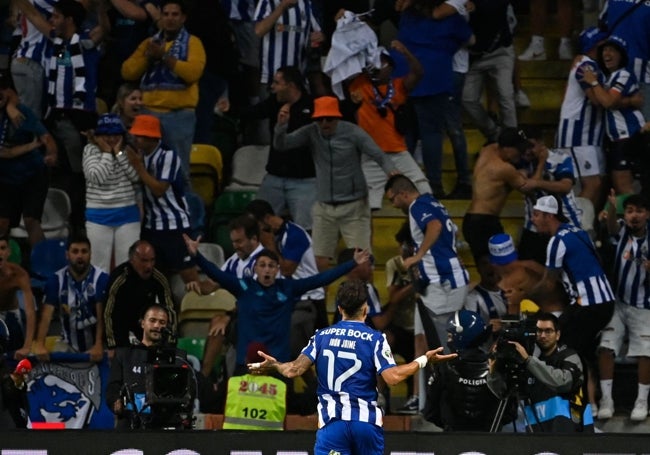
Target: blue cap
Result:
[109, 124]
[590, 37]
[502, 249]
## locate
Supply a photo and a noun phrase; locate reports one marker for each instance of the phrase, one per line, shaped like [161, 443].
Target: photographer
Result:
[555, 399]
[132, 386]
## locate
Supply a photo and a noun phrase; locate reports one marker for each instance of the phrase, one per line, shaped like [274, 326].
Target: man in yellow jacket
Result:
[169, 66]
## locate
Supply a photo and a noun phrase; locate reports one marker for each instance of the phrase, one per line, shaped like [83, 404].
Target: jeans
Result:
[454, 129]
[498, 66]
[178, 133]
[29, 80]
[431, 113]
[293, 194]
[211, 87]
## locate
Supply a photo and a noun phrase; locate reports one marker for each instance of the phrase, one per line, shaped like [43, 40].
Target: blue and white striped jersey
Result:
[76, 301]
[348, 357]
[242, 268]
[571, 251]
[168, 212]
[558, 166]
[633, 286]
[635, 30]
[287, 43]
[489, 304]
[581, 123]
[32, 42]
[295, 245]
[441, 262]
[622, 123]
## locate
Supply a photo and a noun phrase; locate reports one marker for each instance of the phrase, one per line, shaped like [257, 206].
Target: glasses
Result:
[545, 331]
[325, 119]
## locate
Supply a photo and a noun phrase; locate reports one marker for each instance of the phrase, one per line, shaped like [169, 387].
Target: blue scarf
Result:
[159, 76]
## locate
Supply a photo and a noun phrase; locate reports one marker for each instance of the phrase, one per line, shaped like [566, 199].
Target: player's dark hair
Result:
[548, 317]
[637, 201]
[248, 224]
[78, 238]
[268, 254]
[259, 208]
[398, 183]
[351, 296]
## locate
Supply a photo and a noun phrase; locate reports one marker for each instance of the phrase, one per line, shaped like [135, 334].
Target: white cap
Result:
[547, 204]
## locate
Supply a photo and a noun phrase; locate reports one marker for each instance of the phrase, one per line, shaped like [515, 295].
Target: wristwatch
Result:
[595, 83]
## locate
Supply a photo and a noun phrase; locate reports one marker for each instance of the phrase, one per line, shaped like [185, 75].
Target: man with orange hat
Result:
[341, 189]
[166, 215]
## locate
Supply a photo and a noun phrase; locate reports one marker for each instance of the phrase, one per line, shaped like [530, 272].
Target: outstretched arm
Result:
[398, 373]
[287, 369]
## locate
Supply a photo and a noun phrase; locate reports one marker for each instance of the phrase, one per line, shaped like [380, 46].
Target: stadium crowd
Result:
[104, 100]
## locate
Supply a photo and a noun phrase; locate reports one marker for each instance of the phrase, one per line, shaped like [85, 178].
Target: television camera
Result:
[170, 390]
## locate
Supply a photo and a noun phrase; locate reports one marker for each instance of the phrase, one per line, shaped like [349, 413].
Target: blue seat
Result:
[47, 257]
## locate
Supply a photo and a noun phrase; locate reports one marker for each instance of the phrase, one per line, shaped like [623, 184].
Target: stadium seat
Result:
[197, 311]
[230, 204]
[206, 172]
[54, 222]
[47, 257]
[193, 346]
[15, 255]
[248, 167]
[213, 253]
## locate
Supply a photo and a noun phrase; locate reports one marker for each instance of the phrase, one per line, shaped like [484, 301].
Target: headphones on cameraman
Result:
[459, 328]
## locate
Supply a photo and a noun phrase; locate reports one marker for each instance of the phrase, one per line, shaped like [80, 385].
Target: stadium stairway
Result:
[544, 82]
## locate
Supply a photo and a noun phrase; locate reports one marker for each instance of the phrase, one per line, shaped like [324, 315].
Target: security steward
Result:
[254, 401]
[555, 392]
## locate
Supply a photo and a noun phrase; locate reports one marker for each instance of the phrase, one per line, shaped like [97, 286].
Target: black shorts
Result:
[171, 251]
[532, 245]
[26, 199]
[581, 326]
[477, 230]
[623, 155]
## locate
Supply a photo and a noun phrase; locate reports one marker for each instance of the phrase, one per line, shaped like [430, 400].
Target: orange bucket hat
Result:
[326, 106]
[146, 125]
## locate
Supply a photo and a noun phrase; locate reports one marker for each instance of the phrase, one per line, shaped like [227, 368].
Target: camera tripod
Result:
[505, 404]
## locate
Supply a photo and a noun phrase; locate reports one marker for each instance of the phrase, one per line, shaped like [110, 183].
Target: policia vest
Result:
[255, 402]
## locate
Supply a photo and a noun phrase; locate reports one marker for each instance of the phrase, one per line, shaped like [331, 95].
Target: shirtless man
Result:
[494, 177]
[518, 278]
[21, 322]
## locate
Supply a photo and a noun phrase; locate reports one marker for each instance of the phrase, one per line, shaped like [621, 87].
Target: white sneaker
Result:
[640, 411]
[521, 99]
[564, 51]
[594, 410]
[535, 51]
[606, 408]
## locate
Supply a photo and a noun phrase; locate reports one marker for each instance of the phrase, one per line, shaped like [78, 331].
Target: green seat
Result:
[193, 346]
[15, 255]
[196, 347]
[233, 202]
